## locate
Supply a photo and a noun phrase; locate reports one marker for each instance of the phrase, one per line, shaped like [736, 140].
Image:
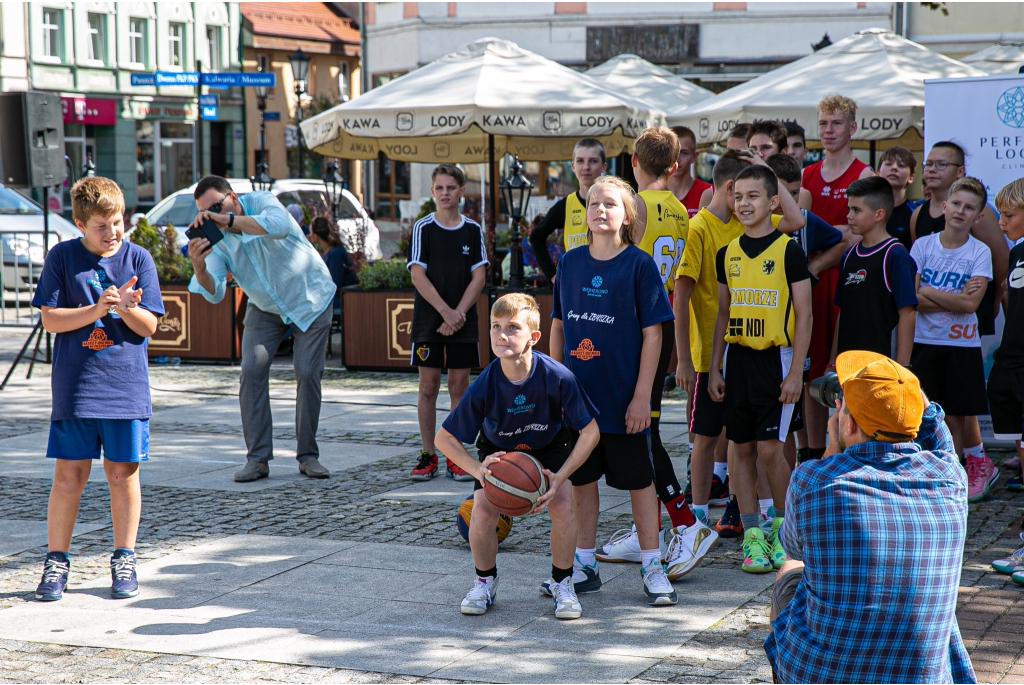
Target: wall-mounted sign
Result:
[172, 327]
[138, 109]
[83, 110]
[399, 313]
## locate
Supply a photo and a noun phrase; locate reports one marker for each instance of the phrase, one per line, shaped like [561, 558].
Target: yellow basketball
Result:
[465, 514]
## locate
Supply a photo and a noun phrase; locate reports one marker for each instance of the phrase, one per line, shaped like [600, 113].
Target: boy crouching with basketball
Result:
[523, 401]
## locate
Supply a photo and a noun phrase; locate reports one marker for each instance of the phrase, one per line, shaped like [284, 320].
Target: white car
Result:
[179, 209]
[21, 239]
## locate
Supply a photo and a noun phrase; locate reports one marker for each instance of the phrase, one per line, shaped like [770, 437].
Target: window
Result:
[381, 79]
[392, 186]
[176, 44]
[343, 82]
[96, 37]
[145, 160]
[165, 158]
[213, 48]
[53, 33]
[137, 41]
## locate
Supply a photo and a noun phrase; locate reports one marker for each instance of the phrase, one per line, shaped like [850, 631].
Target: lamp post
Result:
[261, 104]
[262, 179]
[300, 72]
[334, 182]
[516, 192]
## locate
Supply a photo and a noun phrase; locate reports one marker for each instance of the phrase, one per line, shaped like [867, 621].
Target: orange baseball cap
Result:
[883, 397]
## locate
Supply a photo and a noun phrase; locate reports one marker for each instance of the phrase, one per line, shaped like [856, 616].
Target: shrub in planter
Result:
[161, 243]
[384, 274]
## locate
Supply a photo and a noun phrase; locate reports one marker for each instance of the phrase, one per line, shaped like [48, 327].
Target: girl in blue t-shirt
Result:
[607, 309]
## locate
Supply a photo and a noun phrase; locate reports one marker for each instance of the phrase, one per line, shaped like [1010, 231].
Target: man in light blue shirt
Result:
[289, 287]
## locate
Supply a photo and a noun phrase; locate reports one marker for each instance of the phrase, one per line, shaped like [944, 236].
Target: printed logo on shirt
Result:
[749, 328]
[963, 331]
[576, 220]
[768, 267]
[522, 446]
[423, 353]
[100, 280]
[734, 271]
[857, 277]
[588, 316]
[520, 399]
[465, 249]
[521, 406]
[826, 191]
[596, 290]
[1016, 278]
[944, 279]
[97, 340]
[754, 297]
[596, 281]
[585, 350]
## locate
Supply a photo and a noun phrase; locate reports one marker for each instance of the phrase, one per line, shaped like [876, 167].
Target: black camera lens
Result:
[826, 389]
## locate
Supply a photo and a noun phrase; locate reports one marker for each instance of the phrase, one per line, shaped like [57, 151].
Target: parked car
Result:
[21, 239]
[179, 209]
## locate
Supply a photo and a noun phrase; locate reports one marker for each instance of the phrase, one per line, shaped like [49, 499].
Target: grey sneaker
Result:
[480, 597]
[567, 605]
[252, 470]
[313, 468]
[658, 589]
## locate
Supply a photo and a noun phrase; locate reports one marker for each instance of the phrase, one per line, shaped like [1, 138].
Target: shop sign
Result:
[222, 79]
[183, 111]
[271, 116]
[209, 112]
[210, 100]
[83, 110]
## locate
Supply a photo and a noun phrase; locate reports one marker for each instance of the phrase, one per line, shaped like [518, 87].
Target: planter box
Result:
[192, 328]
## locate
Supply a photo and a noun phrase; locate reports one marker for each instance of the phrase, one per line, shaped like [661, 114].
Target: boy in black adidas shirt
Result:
[447, 257]
[876, 291]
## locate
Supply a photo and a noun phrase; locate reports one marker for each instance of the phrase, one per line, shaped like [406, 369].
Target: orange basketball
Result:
[515, 483]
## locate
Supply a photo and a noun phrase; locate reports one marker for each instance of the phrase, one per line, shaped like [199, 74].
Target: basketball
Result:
[515, 483]
[465, 514]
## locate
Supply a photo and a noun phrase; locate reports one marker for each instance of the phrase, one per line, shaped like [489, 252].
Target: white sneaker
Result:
[1011, 564]
[481, 596]
[567, 605]
[624, 546]
[656, 586]
[687, 548]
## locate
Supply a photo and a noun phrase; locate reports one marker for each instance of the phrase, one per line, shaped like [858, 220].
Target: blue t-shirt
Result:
[524, 416]
[817, 234]
[100, 371]
[604, 307]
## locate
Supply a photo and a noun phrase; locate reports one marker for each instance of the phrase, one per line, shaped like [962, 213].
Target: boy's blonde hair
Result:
[95, 195]
[835, 103]
[628, 204]
[969, 184]
[657, 149]
[1011, 196]
[510, 305]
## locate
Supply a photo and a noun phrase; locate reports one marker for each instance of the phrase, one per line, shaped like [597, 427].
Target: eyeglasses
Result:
[939, 166]
[218, 205]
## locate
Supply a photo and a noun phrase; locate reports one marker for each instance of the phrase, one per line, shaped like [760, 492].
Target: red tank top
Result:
[692, 199]
[828, 200]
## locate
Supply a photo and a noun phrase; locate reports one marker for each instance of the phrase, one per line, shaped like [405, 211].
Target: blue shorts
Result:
[123, 440]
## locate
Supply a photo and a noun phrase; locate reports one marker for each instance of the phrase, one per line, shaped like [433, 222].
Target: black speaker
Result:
[31, 139]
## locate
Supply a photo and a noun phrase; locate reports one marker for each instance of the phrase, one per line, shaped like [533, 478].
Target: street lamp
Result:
[516, 192]
[261, 104]
[334, 182]
[262, 179]
[300, 72]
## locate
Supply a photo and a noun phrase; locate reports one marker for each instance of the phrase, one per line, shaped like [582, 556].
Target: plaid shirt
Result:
[881, 530]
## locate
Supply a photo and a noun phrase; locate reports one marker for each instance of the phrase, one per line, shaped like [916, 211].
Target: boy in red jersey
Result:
[687, 188]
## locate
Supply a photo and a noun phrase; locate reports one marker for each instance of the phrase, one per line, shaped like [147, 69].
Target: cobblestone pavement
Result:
[346, 507]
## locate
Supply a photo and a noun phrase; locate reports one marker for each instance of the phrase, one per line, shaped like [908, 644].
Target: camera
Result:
[826, 389]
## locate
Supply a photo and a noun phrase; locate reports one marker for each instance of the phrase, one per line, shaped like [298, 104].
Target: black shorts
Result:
[446, 355]
[707, 417]
[797, 421]
[624, 460]
[1006, 399]
[753, 383]
[668, 341]
[552, 457]
[785, 589]
[952, 376]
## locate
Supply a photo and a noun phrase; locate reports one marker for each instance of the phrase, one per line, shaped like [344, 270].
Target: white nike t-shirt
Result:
[949, 270]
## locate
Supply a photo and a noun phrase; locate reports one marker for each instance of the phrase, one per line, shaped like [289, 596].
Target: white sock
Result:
[649, 555]
[701, 512]
[586, 556]
[763, 505]
[721, 470]
[976, 451]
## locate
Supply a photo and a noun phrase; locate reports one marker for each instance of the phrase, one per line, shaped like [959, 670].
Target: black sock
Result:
[815, 452]
[560, 574]
[489, 573]
[801, 455]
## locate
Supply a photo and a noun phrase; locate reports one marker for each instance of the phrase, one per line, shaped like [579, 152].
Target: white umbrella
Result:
[1001, 58]
[490, 90]
[883, 72]
[638, 78]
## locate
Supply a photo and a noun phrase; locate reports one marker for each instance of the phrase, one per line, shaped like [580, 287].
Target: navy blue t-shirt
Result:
[817, 234]
[604, 307]
[524, 416]
[100, 371]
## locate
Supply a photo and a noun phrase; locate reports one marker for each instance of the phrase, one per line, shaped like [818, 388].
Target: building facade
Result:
[147, 138]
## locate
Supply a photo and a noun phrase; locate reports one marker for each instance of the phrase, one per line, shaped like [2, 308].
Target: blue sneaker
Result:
[124, 582]
[55, 577]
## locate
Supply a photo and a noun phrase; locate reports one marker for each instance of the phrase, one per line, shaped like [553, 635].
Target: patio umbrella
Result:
[883, 72]
[1001, 58]
[638, 78]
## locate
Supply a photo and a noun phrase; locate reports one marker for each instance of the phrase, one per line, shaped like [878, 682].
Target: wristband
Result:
[231, 219]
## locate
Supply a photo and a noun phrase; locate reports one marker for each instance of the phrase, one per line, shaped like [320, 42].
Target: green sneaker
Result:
[756, 552]
[779, 556]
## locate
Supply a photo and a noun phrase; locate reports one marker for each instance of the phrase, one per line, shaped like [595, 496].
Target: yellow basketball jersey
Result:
[760, 303]
[668, 226]
[574, 231]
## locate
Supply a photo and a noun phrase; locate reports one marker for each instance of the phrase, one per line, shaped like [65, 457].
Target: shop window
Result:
[165, 158]
[97, 37]
[213, 48]
[137, 41]
[145, 161]
[392, 187]
[53, 33]
[176, 44]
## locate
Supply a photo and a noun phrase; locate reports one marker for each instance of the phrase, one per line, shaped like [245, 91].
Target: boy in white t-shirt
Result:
[953, 271]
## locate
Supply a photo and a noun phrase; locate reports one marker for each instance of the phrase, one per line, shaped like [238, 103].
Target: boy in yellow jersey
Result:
[761, 336]
[570, 213]
[660, 230]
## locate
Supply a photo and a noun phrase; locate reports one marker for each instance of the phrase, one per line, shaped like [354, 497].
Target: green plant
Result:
[384, 274]
[426, 208]
[502, 240]
[162, 244]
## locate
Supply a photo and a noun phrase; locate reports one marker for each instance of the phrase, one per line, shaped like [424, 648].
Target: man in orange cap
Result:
[875, 533]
